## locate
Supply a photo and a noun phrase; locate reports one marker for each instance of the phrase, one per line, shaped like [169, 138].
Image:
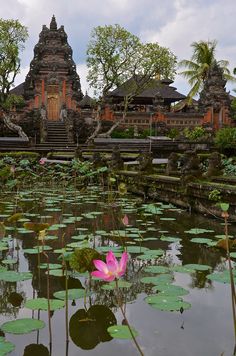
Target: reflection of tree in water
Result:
[6, 302]
[36, 350]
[89, 327]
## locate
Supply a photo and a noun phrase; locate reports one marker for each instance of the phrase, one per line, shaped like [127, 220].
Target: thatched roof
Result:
[160, 88]
[18, 90]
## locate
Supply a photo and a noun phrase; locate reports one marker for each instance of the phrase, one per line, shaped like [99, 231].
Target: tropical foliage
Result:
[198, 66]
[12, 38]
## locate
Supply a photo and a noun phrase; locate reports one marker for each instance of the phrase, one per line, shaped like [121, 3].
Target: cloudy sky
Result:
[171, 23]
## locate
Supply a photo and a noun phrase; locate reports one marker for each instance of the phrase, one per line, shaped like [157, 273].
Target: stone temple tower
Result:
[52, 81]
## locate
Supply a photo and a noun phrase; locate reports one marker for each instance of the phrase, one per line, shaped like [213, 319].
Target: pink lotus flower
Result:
[112, 269]
[125, 220]
[42, 161]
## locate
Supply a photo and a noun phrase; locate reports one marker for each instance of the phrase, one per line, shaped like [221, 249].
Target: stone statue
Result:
[172, 165]
[190, 166]
[43, 113]
[214, 166]
[116, 162]
[63, 113]
[145, 162]
[97, 160]
[78, 154]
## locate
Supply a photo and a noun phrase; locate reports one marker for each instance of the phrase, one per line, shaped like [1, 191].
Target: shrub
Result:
[195, 134]
[226, 138]
[31, 156]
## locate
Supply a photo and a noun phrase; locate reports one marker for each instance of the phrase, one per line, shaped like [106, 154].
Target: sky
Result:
[172, 23]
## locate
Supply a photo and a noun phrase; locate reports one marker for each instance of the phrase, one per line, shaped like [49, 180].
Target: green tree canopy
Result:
[198, 66]
[12, 38]
[114, 55]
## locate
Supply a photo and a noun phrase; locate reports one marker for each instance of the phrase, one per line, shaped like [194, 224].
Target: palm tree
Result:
[198, 67]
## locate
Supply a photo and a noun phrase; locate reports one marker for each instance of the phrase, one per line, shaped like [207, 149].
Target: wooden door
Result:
[53, 107]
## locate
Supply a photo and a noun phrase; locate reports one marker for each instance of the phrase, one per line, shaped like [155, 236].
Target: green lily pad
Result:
[233, 254]
[12, 276]
[5, 346]
[197, 231]
[167, 303]
[73, 294]
[168, 219]
[57, 272]
[170, 290]
[197, 267]
[156, 269]
[112, 285]
[42, 248]
[42, 304]
[121, 332]
[136, 249]
[9, 261]
[170, 239]
[223, 277]
[201, 240]
[50, 265]
[22, 326]
[163, 278]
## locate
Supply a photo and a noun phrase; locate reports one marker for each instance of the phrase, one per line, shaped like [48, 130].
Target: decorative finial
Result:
[53, 24]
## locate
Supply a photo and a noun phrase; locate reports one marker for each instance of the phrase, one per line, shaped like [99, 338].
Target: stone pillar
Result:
[43, 92]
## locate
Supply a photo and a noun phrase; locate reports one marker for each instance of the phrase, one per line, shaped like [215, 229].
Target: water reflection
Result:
[89, 327]
[36, 350]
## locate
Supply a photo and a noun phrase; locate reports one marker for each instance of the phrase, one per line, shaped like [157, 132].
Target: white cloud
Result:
[172, 23]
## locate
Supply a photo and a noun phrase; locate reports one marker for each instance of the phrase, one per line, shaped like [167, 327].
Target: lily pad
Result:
[22, 326]
[112, 285]
[170, 290]
[42, 304]
[163, 278]
[73, 294]
[170, 239]
[197, 231]
[167, 303]
[156, 269]
[5, 346]
[200, 240]
[121, 332]
[12, 276]
[197, 267]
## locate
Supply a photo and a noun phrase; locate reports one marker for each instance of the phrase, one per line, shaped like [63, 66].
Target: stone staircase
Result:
[57, 138]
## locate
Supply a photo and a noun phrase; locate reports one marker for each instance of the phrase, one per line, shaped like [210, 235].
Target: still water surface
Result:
[205, 329]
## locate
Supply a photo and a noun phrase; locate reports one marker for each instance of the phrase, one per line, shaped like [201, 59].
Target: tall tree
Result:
[115, 55]
[198, 66]
[12, 38]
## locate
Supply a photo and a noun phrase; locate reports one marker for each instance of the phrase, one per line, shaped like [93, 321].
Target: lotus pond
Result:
[175, 292]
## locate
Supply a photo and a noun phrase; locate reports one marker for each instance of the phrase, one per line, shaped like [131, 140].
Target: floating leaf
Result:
[12, 276]
[170, 239]
[42, 304]
[156, 269]
[197, 231]
[5, 347]
[112, 285]
[9, 261]
[121, 332]
[163, 278]
[170, 289]
[167, 303]
[22, 326]
[197, 267]
[73, 294]
[200, 240]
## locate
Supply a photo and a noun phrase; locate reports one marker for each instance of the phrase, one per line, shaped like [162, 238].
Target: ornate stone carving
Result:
[15, 128]
[172, 164]
[116, 162]
[214, 93]
[214, 166]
